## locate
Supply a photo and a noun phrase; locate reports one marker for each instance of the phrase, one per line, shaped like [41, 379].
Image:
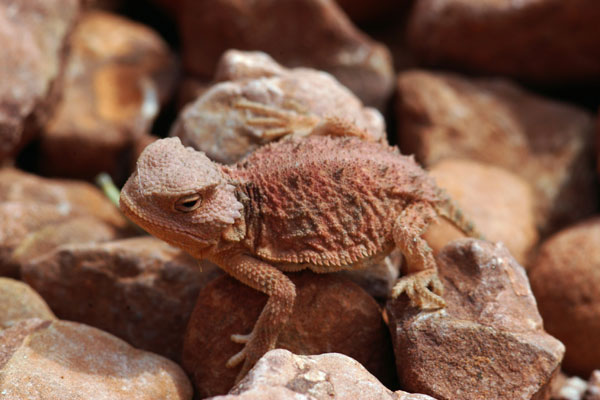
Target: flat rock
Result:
[544, 41]
[549, 144]
[61, 360]
[117, 76]
[140, 289]
[488, 343]
[33, 37]
[331, 314]
[311, 33]
[214, 125]
[499, 203]
[19, 301]
[565, 277]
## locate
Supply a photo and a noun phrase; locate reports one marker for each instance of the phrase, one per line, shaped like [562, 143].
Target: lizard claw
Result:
[236, 359]
[417, 288]
[240, 339]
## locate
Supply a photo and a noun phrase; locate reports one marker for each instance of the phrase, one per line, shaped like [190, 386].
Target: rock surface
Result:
[331, 314]
[61, 360]
[565, 388]
[488, 342]
[593, 392]
[547, 143]
[19, 301]
[565, 278]
[140, 289]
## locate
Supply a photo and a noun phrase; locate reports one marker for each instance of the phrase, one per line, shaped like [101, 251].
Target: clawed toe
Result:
[240, 339]
[424, 289]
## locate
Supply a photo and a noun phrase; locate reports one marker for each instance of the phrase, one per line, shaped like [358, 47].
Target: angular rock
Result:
[565, 277]
[331, 314]
[59, 360]
[214, 125]
[487, 343]
[33, 37]
[537, 40]
[549, 144]
[311, 33]
[140, 289]
[19, 301]
[117, 76]
[499, 203]
[593, 391]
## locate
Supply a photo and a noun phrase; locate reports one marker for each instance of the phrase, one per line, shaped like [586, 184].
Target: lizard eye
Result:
[188, 203]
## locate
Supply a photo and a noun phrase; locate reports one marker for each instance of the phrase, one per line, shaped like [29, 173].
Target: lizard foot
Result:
[252, 351]
[424, 289]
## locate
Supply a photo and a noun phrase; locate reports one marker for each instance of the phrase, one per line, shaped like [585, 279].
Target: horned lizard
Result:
[324, 203]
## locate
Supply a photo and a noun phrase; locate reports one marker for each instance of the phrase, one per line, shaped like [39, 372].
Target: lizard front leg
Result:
[282, 293]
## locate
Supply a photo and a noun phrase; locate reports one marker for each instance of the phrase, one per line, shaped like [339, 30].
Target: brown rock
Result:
[331, 314]
[33, 38]
[537, 40]
[488, 343]
[547, 143]
[19, 301]
[565, 278]
[499, 203]
[311, 33]
[61, 360]
[593, 391]
[117, 76]
[140, 289]
[361, 11]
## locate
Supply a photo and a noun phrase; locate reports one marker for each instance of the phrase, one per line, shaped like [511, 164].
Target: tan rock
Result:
[33, 37]
[140, 289]
[537, 40]
[593, 391]
[565, 388]
[61, 360]
[331, 314]
[565, 278]
[547, 143]
[311, 33]
[499, 203]
[19, 301]
[488, 343]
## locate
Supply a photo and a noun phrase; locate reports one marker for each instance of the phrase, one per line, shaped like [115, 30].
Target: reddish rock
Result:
[488, 343]
[499, 203]
[33, 38]
[311, 33]
[565, 278]
[593, 392]
[538, 40]
[331, 314]
[19, 301]
[547, 143]
[140, 289]
[61, 360]
[118, 74]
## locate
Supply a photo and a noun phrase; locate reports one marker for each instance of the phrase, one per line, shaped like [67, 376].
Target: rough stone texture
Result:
[547, 143]
[331, 314]
[593, 392]
[539, 40]
[118, 74]
[61, 360]
[311, 33]
[140, 289]
[565, 278]
[19, 301]
[33, 35]
[280, 374]
[213, 125]
[499, 203]
[488, 343]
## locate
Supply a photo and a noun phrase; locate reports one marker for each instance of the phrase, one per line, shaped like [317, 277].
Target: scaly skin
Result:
[323, 203]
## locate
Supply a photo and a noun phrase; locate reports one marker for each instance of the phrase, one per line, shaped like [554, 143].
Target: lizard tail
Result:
[449, 210]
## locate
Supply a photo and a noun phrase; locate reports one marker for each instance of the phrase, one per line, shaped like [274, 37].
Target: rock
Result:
[61, 360]
[33, 38]
[280, 374]
[499, 203]
[311, 33]
[547, 143]
[537, 40]
[140, 289]
[214, 125]
[565, 277]
[361, 12]
[565, 388]
[379, 278]
[593, 392]
[19, 301]
[331, 314]
[488, 343]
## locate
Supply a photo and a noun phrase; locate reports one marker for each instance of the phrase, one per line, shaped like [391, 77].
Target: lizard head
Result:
[180, 195]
